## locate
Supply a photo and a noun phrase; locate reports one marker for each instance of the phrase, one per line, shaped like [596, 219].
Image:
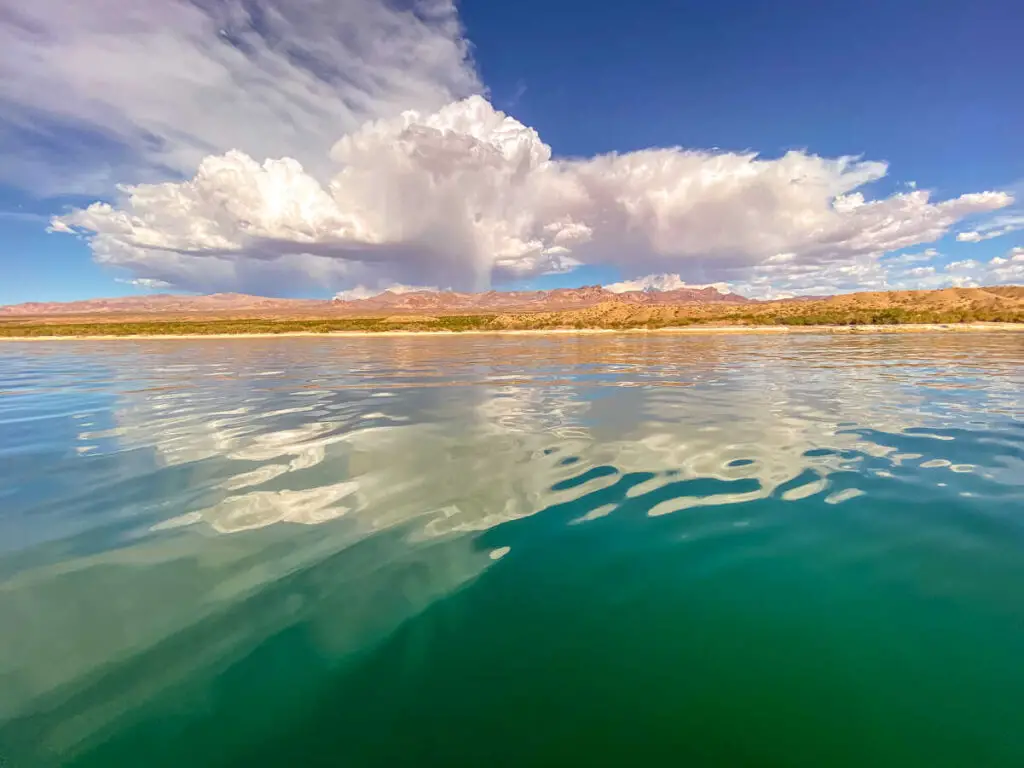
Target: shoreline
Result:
[689, 329]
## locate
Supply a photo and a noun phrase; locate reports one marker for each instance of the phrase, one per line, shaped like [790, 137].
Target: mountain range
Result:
[438, 302]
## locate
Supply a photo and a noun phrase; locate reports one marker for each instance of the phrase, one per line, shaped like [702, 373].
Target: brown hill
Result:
[952, 305]
[945, 299]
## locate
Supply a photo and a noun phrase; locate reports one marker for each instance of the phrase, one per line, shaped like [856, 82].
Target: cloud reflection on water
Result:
[471, 433]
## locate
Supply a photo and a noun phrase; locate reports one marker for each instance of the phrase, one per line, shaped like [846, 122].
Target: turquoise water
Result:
[518, 550]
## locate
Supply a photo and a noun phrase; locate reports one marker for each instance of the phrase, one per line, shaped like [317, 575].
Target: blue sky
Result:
[929, 89]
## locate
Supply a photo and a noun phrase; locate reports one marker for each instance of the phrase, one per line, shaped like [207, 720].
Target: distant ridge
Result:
[559, 298]
[393, 303]
[160, 303]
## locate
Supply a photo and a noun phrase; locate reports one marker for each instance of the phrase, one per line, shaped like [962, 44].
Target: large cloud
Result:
[467, 195]
[123, 91]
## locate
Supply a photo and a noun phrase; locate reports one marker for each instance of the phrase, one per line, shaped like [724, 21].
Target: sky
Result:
[322, 147]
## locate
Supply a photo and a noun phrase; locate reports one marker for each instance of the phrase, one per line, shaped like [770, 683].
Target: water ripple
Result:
[219, 474]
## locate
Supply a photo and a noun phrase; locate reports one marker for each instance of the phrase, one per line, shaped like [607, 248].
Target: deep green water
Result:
[480, 551]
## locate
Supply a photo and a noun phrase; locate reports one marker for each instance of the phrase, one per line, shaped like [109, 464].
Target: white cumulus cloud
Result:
[662, 282]
[144, 282]
[916, 271]
[362, 292]
[466, 195]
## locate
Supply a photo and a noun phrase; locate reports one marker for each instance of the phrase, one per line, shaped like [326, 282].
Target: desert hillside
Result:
[949, 306]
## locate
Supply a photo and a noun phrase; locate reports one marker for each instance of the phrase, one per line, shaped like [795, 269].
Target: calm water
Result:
[478, 551]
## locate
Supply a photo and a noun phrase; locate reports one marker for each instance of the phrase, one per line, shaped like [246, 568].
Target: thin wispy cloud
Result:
[925, 270]
[125, 91]
[998, 226]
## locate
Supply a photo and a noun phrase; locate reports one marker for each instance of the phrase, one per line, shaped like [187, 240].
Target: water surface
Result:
[513, 550]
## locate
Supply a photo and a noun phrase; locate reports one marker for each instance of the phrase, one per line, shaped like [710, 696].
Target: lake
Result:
[635, 549]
